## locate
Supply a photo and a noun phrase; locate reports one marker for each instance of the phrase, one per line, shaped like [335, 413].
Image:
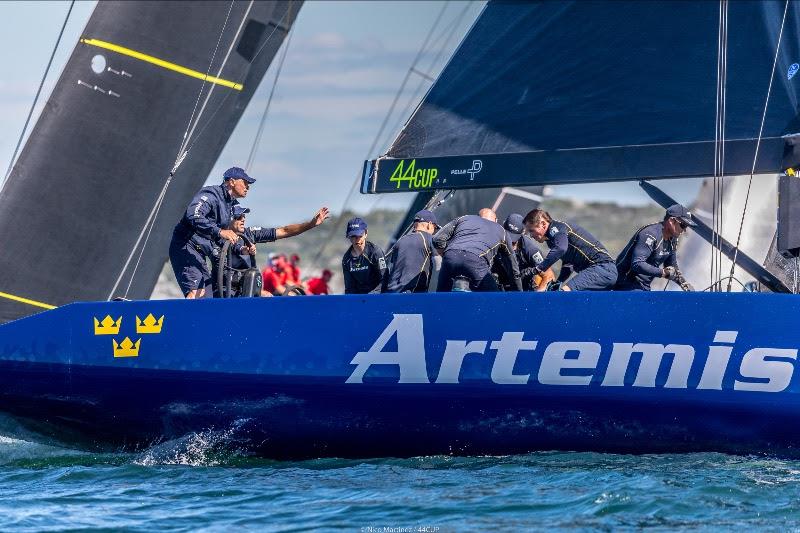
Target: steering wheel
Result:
[225, 271]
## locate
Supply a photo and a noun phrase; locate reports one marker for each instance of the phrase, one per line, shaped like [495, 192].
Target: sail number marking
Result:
[413, 177]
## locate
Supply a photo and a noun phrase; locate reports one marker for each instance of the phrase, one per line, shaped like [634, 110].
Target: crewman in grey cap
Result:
[529, 256]
[411, 258]
[651, 252]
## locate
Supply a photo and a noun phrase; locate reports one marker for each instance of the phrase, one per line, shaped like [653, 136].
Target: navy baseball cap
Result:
[681, 213]
[514, 226]
[236, 173]
[356, 227]
[239, 211]
[425, 216]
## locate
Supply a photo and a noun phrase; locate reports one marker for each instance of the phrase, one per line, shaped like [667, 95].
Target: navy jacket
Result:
[529, 257]
[484, 238]
[574, 246]
[209, 212]
[643, 257]
[410, 265]
[241, 259]
[364, 274]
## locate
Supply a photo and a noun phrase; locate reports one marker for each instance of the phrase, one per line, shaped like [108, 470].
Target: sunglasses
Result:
[681, 223]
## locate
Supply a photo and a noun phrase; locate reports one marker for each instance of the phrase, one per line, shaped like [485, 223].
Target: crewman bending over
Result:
[579, 252]
[529, 256]
[640, 262]
[411, 260]
[469, 246]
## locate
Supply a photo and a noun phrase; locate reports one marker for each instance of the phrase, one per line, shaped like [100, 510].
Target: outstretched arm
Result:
[291, 230]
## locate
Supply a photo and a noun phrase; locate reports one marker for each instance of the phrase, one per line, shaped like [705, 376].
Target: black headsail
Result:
[568, 92]
[90, 175]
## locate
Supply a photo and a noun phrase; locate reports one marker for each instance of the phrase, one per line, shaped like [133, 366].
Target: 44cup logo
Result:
[128, 347]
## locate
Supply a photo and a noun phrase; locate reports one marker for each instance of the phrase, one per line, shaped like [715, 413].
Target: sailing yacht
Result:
[537, 93]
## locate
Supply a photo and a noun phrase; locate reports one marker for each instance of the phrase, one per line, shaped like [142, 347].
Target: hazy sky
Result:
[344, 66]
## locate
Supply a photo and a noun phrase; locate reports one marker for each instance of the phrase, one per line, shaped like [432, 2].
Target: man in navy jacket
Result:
[205, 221]
[651, 252]
[411, 260]
[578, 250]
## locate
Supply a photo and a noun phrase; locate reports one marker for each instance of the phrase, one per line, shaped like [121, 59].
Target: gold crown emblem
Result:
[126, 348]
[149, 324]
[107, 326]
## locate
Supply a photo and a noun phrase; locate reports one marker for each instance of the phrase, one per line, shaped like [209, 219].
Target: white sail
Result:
[695, 254]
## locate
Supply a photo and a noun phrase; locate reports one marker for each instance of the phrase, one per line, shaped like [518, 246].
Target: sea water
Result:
[199, 483]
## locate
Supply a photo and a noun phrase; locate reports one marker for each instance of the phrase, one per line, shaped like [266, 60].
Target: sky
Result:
[343, 69]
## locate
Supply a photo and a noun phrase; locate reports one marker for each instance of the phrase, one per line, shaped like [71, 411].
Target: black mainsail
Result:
[89, 177]
[533, 98]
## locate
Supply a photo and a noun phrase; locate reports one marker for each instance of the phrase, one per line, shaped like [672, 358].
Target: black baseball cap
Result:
[514, 226]
[681, 213]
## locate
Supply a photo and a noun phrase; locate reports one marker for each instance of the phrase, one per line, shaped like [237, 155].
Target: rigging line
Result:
[716, 146]
[259, 133]
[146, 228]
[374, 144]
[403, 116]
[38, 92]
[452, 55]
[203, 84]
[184, 152]
[227, 94]
[719, 148]
[442, 42]
[723, 120]
[758, 142]
[454, 25]
[150, 226]
[219, 72]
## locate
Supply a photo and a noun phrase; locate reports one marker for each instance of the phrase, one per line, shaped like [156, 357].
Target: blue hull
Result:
[405, 375]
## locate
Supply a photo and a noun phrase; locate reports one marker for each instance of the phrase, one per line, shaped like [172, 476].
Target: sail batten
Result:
[569, 92]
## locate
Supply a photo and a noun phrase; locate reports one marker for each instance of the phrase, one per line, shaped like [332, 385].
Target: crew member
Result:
[363, 264]
[651, 252]
[580, 253]
[529, 256]
[411, 260]
[320, 285]
[205, 221]
[469, 246]
[294, 265]
[257, 235]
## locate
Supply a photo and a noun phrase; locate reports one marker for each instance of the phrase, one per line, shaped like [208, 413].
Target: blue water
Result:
[198, 483]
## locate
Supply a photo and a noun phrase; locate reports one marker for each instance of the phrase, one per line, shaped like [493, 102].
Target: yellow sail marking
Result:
[161, 63]
[26, 301]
